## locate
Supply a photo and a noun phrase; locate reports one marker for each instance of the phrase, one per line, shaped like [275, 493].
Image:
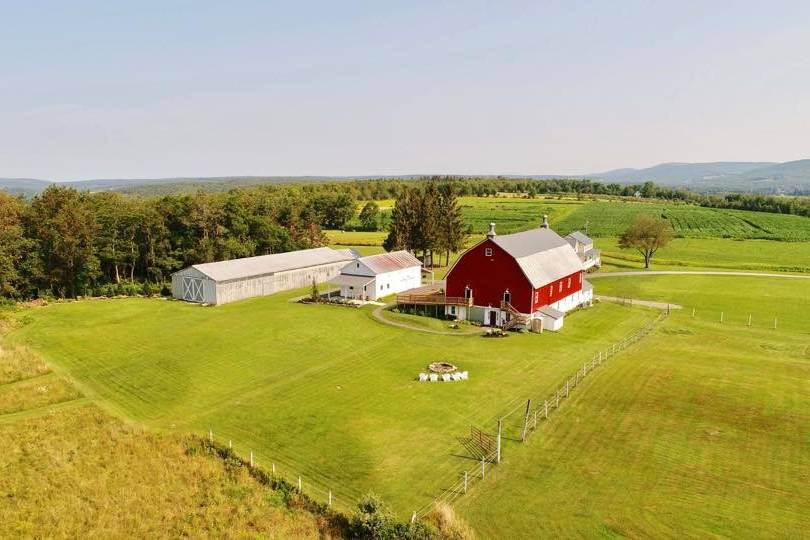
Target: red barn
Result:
[514, 278]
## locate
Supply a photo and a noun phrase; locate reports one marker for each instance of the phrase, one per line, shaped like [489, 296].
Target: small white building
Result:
[375, 276]
[583, 245]
[228, 281]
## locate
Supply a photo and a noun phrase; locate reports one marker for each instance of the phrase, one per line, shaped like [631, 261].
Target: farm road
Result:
[692, 273]
[635, 302]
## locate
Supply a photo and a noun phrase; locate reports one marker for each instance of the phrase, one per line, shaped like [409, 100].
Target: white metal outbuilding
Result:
[375, 276]
[229, 281]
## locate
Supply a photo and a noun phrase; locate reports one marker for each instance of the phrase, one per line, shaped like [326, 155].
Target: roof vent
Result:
[491, 233]
[545, 222]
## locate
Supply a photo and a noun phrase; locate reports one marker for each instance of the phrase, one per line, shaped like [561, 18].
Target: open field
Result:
[698, 429]
[80, 472]
[764, 299]
[754, 255]
[322, 391]
[700, 432]
[72, 470]
[704, 237]
[611, 218]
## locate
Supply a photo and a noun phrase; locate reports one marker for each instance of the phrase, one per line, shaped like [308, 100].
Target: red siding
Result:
[489, 277]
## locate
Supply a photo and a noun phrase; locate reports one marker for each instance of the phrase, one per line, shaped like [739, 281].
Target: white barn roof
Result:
[270, 264]
[579, 237]
[389, 262]
[543, 255]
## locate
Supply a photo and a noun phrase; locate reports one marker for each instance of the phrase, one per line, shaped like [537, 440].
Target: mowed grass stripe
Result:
[324, 391]
[677, 438]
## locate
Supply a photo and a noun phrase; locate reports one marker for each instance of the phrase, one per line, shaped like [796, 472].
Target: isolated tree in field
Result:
[369, 216]
[646, 235]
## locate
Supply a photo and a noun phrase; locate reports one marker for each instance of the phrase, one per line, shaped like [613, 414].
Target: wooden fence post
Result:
[774, 323]
[300, 485]
[545, 408]
[483, 467]
[413, 518]
[584, 369]
[535, 421]
[465, 481]
[498, 456]
[251, 459]
[721, 317]
[749, 319]
[526, 420]
[566, 387]
[230, 444]
[330, 498]
[210, 435]
[693, 313]
[274, 469]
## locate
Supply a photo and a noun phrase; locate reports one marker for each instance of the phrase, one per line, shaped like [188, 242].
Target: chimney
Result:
[491, 233]
[545, 222]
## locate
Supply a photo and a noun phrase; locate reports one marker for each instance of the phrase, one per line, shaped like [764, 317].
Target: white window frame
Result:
[488, 252]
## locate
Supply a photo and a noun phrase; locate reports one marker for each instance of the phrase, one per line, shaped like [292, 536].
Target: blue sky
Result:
[176, 88]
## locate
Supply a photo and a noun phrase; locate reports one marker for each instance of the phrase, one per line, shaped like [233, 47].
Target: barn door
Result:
[192, 289]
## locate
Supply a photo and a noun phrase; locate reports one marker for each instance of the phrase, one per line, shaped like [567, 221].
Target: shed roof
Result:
[353, 281]
[389, 262]
[543, 255]
[549, 311]
[270, 264]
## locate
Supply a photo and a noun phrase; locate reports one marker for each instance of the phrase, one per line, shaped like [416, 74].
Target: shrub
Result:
[373, 519]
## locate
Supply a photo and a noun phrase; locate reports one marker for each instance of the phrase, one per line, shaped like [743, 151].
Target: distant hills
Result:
[792, 177]
[758, 177]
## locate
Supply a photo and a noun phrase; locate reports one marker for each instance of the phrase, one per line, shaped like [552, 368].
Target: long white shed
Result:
[237, 279]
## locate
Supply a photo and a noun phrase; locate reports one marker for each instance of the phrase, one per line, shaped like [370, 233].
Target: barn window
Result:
[452, 310]
[488, 252]
[536, 296]
[580, 278]
[507, 296]
[551, 290]
[569, 283]
[388, 286]
[560, 287]
[467, 293]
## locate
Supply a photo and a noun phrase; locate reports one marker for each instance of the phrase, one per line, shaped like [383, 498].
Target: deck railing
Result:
[437, 299]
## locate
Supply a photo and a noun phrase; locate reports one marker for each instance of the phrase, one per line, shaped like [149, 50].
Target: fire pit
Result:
[442, 367]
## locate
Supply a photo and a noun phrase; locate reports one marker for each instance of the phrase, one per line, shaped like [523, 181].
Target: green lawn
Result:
[322, 391]
[786, 299]
[700, 432]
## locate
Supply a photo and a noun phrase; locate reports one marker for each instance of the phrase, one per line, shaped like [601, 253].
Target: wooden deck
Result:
[431, 295]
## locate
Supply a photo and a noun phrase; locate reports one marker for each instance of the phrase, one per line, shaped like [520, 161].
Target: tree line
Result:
[427, 220]
[66, 243]
[487, 186]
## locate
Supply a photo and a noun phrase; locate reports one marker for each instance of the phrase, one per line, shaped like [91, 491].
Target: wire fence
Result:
[519, 423]
[280, 477]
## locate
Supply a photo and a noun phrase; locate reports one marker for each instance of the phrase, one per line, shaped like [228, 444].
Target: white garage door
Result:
[192, 289]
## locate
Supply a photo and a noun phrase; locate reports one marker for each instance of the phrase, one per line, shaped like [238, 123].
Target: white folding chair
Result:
[446, 377]
[423, 377]
[464, 375]
[434, 377]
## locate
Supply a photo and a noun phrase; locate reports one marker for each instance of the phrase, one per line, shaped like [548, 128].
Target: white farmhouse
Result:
[583, 245]
[375, 276]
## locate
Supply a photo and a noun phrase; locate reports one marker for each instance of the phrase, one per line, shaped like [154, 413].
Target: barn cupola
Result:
[545, 222]
[491, 234]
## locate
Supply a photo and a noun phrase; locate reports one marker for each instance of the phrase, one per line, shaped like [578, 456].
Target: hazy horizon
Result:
[200, 89]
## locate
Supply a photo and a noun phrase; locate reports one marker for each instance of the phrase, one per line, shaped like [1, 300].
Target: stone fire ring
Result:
[442, 367]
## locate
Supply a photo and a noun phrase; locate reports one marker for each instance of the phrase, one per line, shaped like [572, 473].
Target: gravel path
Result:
[378, 315]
